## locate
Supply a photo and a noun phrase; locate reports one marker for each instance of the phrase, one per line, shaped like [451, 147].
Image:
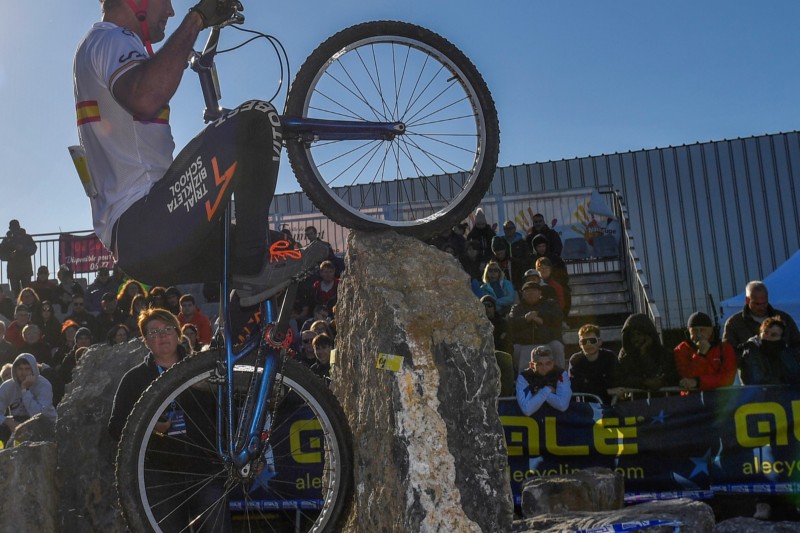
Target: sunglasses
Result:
[589, 340]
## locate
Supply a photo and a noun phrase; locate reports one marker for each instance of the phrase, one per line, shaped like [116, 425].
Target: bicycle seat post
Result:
[223, 285]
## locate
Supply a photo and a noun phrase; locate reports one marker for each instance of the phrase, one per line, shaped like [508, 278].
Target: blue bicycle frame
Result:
[240, 442]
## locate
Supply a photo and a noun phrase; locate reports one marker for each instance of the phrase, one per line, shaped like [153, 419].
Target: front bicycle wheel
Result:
[419, 182]
[175, 480]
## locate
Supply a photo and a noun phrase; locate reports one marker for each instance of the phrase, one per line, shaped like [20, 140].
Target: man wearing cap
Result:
[102, 284]
[535, 321]
[44, 287]
[17, 248]
[533, 276]
[543, 382]
[703, 361]
[110, 315]
[746, 324]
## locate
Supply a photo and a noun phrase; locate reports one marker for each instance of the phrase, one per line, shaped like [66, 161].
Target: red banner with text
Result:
[83, 254]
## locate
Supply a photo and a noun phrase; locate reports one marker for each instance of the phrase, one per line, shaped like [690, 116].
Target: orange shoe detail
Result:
[283, 250]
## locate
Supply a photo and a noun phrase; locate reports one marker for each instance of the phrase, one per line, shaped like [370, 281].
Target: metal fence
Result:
[497, 208]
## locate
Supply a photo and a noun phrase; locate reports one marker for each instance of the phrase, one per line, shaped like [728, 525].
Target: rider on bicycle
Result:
[162, 217]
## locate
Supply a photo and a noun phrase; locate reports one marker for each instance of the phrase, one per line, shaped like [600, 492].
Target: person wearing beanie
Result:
[540, 227]
[482, 232]
[703, 361]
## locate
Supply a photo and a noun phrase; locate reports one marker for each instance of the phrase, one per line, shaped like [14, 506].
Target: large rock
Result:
[429, 448]
[751, 525]
[695, 517]
[38, 428]
[592, 489]
[30, 492]
[86, 452]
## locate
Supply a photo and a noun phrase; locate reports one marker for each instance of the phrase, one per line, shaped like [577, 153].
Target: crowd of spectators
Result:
[523, 285]
[54, 321]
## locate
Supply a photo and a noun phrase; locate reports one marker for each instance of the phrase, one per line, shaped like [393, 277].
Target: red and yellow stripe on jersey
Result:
[161, 118]
[88, 111]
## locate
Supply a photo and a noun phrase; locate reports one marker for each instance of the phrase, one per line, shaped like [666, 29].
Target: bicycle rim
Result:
[416, 183]
[304, 476]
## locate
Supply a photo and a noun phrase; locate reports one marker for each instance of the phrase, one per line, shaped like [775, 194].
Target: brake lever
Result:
[237, 18]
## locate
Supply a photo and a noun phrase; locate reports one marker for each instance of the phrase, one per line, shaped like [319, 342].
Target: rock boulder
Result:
[696, 517]
[86, 452]
[417, 377]
[592, 489]
[36, 429]
[30, 492]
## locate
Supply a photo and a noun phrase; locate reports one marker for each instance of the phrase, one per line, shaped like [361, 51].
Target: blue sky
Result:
[570, 78]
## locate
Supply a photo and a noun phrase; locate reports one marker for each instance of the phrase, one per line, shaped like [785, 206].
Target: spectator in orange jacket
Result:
[191, 314]
[704, 362]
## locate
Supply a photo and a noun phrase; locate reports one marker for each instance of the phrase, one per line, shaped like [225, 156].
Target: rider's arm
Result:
[146, 88]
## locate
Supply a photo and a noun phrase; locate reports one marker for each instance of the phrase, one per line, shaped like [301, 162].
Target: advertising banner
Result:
[737, 439]
[83, 254]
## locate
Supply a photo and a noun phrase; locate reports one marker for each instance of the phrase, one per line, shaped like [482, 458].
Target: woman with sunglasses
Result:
[498, 287]
[49, 324]
[592, 369]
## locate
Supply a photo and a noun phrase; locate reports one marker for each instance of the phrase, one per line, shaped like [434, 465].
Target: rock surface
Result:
[429, 448]
[592, 489]
[36, 429]
[751, 525]
[30, 492]
[695, 517]
[86, 452]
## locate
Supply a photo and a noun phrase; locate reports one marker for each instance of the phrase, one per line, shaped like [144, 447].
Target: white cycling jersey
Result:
[126, 155]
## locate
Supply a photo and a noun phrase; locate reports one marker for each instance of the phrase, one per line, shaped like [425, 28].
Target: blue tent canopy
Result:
[784, 291]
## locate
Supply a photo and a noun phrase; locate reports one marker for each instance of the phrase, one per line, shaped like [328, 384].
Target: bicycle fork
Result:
[240, 442]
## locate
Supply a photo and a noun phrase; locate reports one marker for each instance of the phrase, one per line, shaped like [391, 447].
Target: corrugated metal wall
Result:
[708, 217]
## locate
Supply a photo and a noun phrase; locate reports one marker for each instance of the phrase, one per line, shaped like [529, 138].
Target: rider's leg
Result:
[172, 235]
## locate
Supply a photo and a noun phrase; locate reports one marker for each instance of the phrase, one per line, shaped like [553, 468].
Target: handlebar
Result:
[203, 64]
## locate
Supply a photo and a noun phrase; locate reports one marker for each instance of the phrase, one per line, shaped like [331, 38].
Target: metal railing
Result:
[639, 287]
[498, 207]
[47, 253]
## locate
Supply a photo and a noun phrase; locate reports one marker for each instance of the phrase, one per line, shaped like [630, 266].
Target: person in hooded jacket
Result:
[703, 361]
[482, 232]
[767, 359]
[25, 395]
[643, 362]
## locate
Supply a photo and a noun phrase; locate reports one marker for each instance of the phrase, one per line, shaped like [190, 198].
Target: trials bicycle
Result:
[386, 125]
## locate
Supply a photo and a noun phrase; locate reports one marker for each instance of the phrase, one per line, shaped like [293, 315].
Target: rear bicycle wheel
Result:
[417, 183]
[177, 481]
